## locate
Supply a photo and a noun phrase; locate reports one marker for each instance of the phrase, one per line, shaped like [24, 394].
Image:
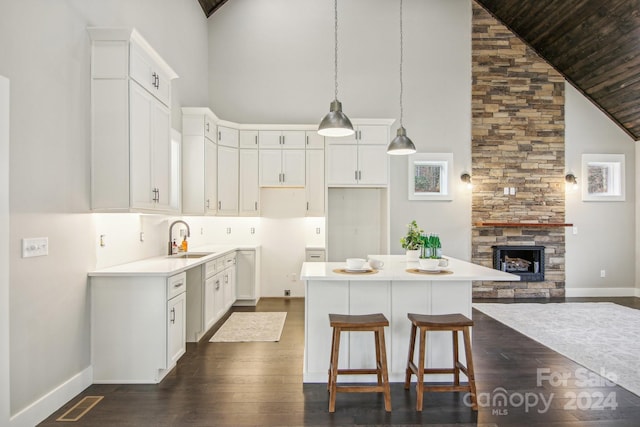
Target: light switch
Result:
[512, 191]
[35, 246]
[506, 191]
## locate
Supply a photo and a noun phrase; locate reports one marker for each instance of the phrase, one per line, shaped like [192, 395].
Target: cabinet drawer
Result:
[176, 285]
[146, 72]
[230, 260]
[315, 255]
[211, 268]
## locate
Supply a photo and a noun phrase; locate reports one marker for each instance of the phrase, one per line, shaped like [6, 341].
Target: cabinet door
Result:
[373, 165]
[209, 128]
[342, 164]
[315, 182]
[293, 139]
[293, 167]
[227, 180]
[218, 296]
[210, 176]
[372, 134]
[229, 285]
[245, 278]
[249, 185]
[209, 308]
[270, 139]
[142, 190]
[248, 139]
[314, 140]
[193, 174]
[270, 168]
[227, 136]
[161, 155]
[176, 328]
[145, 71]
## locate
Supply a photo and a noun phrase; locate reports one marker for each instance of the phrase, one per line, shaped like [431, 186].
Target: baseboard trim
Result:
[52, 401]
[638, 292]
[601, 292]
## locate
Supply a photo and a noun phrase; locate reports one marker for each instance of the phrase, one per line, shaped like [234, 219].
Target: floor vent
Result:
[80, 409]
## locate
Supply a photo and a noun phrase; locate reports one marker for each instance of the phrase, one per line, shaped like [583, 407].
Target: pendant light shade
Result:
[335, 123]
[401, 144]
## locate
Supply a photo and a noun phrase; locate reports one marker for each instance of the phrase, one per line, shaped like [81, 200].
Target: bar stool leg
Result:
[470, 373]
[378, 360]
[381, 348]
[412, 347]
[333, 341]
[456, 361]
[420, 374]
[334, 369]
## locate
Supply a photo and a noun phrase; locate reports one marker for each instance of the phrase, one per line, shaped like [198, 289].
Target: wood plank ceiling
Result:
[595, 44]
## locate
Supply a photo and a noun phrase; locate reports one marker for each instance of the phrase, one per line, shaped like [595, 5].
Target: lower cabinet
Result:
[248, 277]
[210, 294]
[137, 327]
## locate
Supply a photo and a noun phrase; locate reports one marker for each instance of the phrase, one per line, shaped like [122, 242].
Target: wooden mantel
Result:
[522, 224]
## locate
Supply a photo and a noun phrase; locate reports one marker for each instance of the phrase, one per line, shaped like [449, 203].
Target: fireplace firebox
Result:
[525, 261]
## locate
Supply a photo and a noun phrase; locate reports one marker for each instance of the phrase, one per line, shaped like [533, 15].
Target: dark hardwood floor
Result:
[260, 384]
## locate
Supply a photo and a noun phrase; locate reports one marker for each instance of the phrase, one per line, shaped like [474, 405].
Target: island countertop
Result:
[395, 269]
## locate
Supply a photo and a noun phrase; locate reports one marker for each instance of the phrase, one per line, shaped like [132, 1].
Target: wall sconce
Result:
[466, 178]
[571, 181]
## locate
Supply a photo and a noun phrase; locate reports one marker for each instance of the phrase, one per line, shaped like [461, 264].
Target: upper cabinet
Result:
[228, 171]
[361, 159]
[281, 139]
[199, 162]
[130, 123]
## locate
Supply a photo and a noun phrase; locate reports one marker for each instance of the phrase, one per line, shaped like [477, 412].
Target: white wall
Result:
[4, 251]
[271, 61]
[45, 53]
[606, 230]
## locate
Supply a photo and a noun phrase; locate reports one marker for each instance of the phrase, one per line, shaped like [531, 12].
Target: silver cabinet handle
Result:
[359, 175]
[356, 175]
[219, 205]
[154, 77]
[217, 284]
[219, 136]
[283, 141]
[173, 315]
[177, 285]
[256, 205]
[208, 204]
[207, 126]
[283, 177]
[307, 138]
[307, 205]
[158, 82]
[256, 139]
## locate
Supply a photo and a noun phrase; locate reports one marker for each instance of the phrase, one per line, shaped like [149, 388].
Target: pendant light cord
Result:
[335, 51]
[401, 58]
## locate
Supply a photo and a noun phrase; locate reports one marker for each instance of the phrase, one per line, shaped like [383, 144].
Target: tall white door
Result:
[142, 194]
[210, 176]
[249, 186]
[227, 180]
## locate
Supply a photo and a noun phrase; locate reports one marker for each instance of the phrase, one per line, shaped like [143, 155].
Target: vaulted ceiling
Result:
[595, 44]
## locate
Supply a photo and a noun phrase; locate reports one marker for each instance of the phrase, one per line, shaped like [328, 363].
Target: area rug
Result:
[603, 337]
[251, 326]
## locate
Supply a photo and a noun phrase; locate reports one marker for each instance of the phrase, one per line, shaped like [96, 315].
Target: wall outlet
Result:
[287, 292]
[603, 273]
[506, 191]
[575, 230]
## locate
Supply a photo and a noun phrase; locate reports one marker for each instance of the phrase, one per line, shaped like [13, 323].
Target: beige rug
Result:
[251, 326]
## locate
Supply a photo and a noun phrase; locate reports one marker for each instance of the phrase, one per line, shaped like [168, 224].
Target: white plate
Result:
[429, 270]
[358, 270]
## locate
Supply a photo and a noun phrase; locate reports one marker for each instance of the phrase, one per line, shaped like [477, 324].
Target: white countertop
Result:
[395, 268]
[167, 265]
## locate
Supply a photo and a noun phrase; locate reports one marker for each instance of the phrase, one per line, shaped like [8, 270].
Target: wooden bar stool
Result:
[446, 322]
[359, 323]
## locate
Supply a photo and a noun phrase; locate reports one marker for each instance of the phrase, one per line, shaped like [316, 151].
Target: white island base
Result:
[393, 292]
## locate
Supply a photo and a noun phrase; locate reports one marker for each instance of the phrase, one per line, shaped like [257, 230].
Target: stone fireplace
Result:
[518, 162]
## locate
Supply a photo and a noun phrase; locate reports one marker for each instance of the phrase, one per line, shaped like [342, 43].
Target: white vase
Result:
[413, 255]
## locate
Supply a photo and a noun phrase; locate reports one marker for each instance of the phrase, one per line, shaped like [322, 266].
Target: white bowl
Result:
[429, 263]
[355, 263]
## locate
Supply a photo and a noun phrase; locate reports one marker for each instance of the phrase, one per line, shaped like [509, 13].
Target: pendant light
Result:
[335, 123]
[401, 144]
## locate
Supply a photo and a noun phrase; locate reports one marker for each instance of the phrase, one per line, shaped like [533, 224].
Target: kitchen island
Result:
[393, 291]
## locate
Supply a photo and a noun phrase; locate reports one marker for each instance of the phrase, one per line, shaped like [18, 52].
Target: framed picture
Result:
[603, 177]
[430, 176]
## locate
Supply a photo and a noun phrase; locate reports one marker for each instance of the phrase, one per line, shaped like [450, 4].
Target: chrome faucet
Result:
[171, 229]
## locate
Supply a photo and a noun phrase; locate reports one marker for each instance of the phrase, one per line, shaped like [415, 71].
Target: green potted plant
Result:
[412, 242]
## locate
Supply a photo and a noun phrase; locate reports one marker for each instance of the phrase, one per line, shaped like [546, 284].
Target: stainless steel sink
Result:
[191, 255]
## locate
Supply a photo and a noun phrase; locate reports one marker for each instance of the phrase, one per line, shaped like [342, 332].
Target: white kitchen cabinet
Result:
[282, 168]
[199, 162]
[315, 188]
[249, 139]
[249, 183]
[205, 298]
[137, 327]
[281, 139]
[130, 123]
[314, 140]
[227, 180]
[228, 137]
[360, 159]
[247, 277]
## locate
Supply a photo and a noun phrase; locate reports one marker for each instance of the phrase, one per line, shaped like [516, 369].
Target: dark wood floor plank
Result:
[260, 384]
